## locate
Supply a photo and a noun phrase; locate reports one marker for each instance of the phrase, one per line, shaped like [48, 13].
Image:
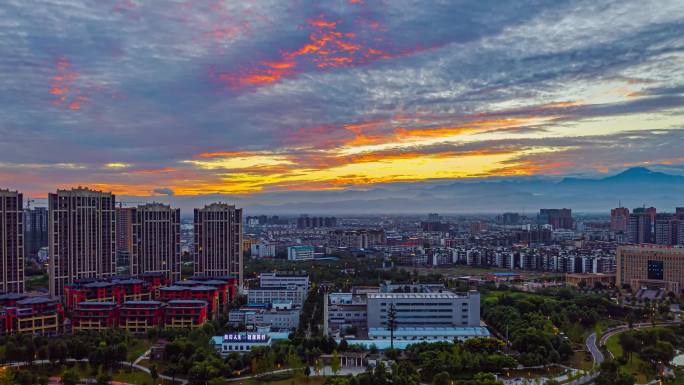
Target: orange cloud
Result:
[327, 47]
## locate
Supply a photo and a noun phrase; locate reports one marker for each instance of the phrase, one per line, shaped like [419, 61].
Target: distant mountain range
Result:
[633, 187]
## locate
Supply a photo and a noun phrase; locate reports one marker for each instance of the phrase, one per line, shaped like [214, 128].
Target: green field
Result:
[133, 376]
[310, 381]
[137, 347]
[633, 366]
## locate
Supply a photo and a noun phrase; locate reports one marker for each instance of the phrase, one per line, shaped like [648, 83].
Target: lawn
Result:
[133, 376]
[251, 381]
[634, 366]
[613, 346]
[581, 360]
[138, 346]
[138, 377]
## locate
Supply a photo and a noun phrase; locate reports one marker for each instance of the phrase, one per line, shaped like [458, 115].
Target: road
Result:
[596, 353]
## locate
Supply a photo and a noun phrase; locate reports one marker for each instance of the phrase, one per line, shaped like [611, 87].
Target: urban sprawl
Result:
[216, 296]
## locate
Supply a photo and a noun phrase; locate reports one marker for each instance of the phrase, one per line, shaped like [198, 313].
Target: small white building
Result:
[300, 253]
[239, 342]
[263, 250]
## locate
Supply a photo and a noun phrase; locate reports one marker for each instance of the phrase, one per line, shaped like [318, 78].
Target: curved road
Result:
[597, 354]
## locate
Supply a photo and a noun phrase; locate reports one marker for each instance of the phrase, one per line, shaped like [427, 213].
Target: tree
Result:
[441, 379]
[486, 379]
[611, 375]
[172, 370]
[293, 362]
[57, 351]
[404, 373]
[103, 379]
[392, 323]
[153, 372]
[629, 344]
[23, 377]
[70, 377]
[335, 363]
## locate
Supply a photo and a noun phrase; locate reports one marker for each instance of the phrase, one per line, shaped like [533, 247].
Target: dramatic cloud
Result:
[254, 97]
[163, 191]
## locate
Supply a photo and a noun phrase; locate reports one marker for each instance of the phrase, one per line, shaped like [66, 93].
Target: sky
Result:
[190, 97]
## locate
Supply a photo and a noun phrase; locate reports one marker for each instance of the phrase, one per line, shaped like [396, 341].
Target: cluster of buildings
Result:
[275, 305]
[646, 225]
[312, 242]
[419, 312]
[135, 304]
[547, 259]
[150, 301]
[307, 222]
[86, 232]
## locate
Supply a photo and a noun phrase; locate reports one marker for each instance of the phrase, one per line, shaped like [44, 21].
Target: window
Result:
[655, 270]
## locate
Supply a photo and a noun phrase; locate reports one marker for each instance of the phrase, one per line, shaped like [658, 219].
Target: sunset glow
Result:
[243, 98]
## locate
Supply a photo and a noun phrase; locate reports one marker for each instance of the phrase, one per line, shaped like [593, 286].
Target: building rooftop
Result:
[444, 294]
[12, 296]
[202, 288]
[35, 301]
[93, 303]
[187, 302]
[430, 332]
[142, 303]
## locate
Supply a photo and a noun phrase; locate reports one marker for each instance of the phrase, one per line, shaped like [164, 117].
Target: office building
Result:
[284, 279]
[94, 316]
[510, 219]
[300, 253]
[116, 290]
[343, 311]
[35, 230]
[357, 239]
[269, 295]
[557, 218]
[239, 343]
[424, 313]
[124, 235]
[11, 242]
[619, 219]
[651, 266]
[192, 291]
[280, 316]
[156, 241]
[306, 222]
[81, 236]
[641, 225]
[432, 309]
[139, 317]
[183, 314]
[31, 315]
[218, 241]
[262, 250]
[666, 229]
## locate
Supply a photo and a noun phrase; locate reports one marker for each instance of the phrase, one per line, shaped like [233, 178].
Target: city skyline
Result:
[252, 98]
